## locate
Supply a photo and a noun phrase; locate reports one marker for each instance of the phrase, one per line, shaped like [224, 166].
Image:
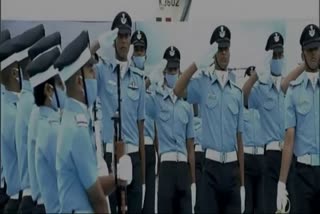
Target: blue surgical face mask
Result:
[61, 96]
[54, 102]
[139, 61]
[276, 67]
[171, 79]
[92, 91]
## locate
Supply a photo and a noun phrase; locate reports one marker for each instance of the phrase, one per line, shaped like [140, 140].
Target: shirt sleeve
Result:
[290, 114]
[84, 158]
[190, 126]
[194, 90]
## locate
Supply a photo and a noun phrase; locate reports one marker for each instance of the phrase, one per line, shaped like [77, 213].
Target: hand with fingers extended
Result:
[207, 59]
[107, 38]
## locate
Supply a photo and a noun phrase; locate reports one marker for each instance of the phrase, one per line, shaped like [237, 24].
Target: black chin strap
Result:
[84, 87]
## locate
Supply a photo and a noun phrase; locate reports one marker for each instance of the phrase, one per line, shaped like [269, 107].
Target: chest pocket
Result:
[212, 100]
[133, 93]
[304, 105]
[164, 112]
[182, 115]
[269, 102]
[111, 87]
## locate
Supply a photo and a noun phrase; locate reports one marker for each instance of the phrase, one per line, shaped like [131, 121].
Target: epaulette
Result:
[136, 71]
[298, 81]
[53, 121]
[206, 73]
[159, 91]
[81, 120]
[235, 85]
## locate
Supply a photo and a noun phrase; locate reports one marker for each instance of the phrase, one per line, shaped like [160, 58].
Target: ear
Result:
[48, 90]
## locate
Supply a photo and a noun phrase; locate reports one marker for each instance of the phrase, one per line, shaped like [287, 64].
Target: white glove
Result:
[193, 196]
[208, 59]
[282, 198]
[243, 198]
[157, 71]
[143, 194]
[107, 38]
[124, 168]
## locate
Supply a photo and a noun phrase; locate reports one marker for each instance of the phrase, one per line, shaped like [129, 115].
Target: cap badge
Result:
[276, 37]
[139, 35]
[172, 52]
[222, 32]
[311, 31]
[123, 19]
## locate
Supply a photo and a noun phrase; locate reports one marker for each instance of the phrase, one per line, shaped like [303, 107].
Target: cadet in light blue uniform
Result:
[24, 107]
[80, 188]
[133, 106]
[262, 92]
[10, 79]
[4, 36]
[45, 80]
[140, 43]
[302, 129]
[174, 120]
[221, 105]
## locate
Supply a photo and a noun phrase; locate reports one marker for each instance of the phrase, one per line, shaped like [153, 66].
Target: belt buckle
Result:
[315, 160]
[223, 157]
[255, 150]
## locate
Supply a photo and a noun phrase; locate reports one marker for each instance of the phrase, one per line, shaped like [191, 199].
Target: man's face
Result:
[122, 45]
[139, 51]
[223, 57]
[277, 55]
[312, 57]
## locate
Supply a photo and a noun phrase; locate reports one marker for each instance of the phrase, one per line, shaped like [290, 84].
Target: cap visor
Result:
[311, 45]
[139, 43]
[224, 44]
[124, 29]
[173, 64]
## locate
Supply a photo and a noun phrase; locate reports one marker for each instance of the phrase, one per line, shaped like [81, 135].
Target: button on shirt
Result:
[45, 158]
[32, 134]
[76, 161]
[221, 111]
[24, 108]
[9, 156]
[252, 128]
[132, 104]
[174, 120]
[269, 102]
[302, 113]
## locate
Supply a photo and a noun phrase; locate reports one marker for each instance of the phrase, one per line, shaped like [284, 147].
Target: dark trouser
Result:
[3, 197]
[149, 198]
[174, 194]
[220, 188]
[307, 185]
[39, 209]
[254, 180]
[112, 196]
[272, 173]
[199, 166]
[26, 205]
[12, 206]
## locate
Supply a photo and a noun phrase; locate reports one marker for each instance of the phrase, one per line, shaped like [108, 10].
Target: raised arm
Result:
[293, 75]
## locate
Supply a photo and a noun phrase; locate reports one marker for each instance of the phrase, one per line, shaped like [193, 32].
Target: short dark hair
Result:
[38, 92]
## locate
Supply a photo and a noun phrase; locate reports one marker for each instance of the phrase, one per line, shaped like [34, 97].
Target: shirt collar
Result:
[11, 97]
[214, 78]
[46, 111]
[306, 78]
[26, 85]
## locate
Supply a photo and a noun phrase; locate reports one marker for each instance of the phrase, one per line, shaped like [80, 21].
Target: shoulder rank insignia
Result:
[81, 120]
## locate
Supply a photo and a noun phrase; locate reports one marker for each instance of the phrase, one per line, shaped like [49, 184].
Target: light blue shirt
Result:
[302, 113]
[174, 121]
[3, 89]
[221, 111]
[32, 133]
[45, 158]
[76, 161]
[252, 128]
[9, 154]
[24, 108]
[270, 103]
[149, 128]
[197, 125]
[133, 101]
